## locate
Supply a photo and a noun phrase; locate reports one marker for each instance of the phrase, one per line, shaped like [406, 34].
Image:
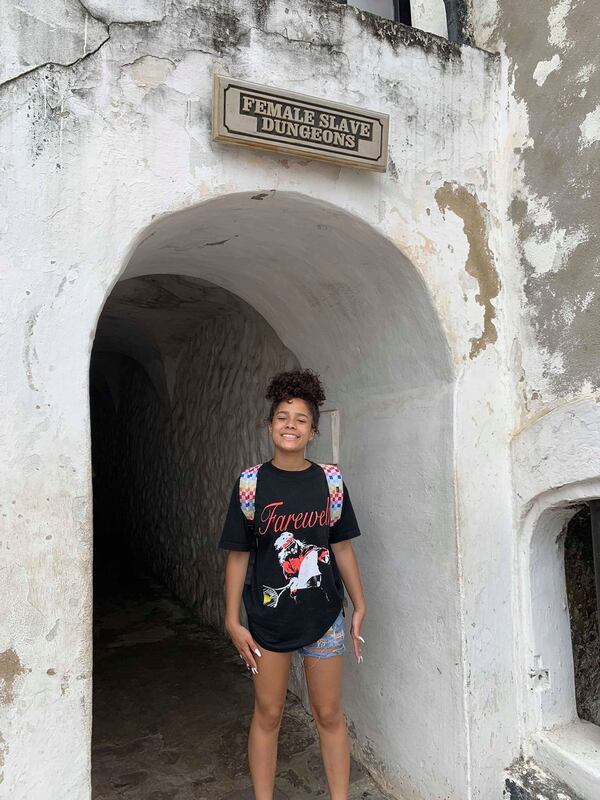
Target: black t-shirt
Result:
[294, 590]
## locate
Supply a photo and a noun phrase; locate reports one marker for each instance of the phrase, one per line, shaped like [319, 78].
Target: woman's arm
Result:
[348, 567]
[235, 575]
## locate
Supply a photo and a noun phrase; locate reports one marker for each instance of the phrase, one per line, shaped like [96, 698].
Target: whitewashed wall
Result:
[388, 284]
[552, 74]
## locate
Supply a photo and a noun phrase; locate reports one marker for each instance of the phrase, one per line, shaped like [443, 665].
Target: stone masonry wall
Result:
[177, 465]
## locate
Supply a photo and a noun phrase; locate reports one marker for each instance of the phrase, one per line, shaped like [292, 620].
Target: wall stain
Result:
[226, 30]
[480, 261]
[261, 11]
[526, 781]
[52, 632]
[149, 71]
[29, 351]
[3, 752]
[10, 669]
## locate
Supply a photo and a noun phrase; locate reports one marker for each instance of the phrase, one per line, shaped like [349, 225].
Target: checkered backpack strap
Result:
[248, 478]
[335, 485]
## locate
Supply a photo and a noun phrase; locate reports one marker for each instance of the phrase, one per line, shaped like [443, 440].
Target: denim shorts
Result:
[330, 644]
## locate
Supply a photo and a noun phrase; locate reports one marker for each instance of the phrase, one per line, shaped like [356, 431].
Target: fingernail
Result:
[362, 640]
[254, 670]
[258, 653]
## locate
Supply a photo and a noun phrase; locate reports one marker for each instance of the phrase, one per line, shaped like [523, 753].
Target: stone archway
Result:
[345, 301]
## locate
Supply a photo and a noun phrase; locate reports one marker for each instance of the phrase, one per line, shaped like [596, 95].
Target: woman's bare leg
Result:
[270, 687]
[324, 680]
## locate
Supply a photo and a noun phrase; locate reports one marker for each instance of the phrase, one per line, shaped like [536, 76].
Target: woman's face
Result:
[291, 427]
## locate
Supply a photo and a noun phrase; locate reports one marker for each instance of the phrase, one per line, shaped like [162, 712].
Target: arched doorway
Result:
[337, 296]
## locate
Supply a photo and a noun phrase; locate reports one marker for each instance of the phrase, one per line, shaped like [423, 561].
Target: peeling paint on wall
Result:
[590, 128]
[149, 71]
[557, 23]
[10, 669]
[3, 752]
[480, 261]
[133, 11]
[545, 68]
[554, 133]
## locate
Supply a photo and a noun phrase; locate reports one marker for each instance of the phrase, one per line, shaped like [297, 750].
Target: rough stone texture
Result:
[583, 613]
[172, 705]
[166, 469]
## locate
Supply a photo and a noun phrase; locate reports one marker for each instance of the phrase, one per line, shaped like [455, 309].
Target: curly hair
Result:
[304, 384]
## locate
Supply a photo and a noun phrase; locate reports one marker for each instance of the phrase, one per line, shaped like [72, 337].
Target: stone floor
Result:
[172, 705]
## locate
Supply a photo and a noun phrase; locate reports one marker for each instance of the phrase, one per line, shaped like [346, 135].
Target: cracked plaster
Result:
[116, 159]
[35, 36]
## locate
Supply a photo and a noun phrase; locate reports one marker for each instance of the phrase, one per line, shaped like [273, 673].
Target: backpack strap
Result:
[335, 484]
[248, 478]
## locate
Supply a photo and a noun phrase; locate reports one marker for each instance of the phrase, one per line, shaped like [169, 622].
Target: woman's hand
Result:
[244, 644]
[357, 640]
[348, 567]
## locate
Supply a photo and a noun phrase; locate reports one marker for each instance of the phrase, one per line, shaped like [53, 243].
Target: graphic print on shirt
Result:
[300, 563]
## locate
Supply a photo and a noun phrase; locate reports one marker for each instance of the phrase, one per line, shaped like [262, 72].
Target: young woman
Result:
[293, 591]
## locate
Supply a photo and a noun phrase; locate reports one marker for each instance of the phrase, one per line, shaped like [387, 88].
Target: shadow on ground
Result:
[172, 706]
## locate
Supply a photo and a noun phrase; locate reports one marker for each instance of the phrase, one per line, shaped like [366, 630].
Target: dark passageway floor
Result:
[172, 706]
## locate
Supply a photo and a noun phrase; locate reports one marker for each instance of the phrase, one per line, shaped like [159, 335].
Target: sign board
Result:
[259, 116]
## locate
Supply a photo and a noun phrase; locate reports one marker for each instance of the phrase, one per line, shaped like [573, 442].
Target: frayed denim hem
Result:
[330, 644]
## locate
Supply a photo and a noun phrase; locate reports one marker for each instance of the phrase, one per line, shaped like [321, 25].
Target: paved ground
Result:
[172, 706]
